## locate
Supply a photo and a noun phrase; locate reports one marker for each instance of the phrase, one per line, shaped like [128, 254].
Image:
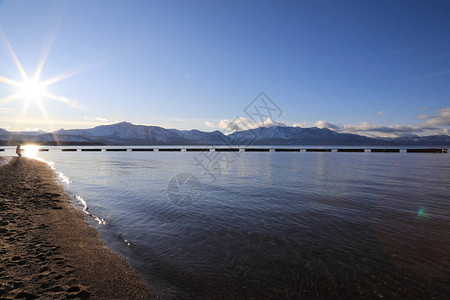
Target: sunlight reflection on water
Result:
[30, 151]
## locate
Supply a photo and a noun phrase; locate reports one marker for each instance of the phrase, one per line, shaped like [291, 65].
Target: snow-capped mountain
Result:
[125, 133]
[298, 136]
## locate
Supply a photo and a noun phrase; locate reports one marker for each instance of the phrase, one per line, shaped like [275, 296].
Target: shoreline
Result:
[48, 249]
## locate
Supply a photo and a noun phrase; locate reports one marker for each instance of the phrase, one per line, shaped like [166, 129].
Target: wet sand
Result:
[47, 248]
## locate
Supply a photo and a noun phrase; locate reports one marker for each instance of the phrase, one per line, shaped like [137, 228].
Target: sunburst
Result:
[32, 89]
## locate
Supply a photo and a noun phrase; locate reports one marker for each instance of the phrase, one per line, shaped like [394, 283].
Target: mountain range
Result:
[125, 133]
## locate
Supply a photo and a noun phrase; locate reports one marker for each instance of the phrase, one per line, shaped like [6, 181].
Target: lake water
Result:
[272, 225]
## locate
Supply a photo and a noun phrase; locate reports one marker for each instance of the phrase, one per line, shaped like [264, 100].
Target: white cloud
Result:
[245, 124]
[210, 124]
[442, 119]
[96, 119]
[365, 128]
[423, 116]
[382, 112]
[434, 125]
[325, 124]
[271, 123]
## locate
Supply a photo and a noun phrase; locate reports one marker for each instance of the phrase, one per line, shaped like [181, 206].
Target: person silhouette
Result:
[19, 151]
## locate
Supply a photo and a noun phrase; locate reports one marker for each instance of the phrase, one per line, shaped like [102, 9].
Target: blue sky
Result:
[354, 66]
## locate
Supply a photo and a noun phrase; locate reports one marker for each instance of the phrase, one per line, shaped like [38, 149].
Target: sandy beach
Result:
[48, 250]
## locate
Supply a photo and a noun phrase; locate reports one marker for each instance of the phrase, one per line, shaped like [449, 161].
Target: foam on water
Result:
[64, 179]
[32, 152]
[100, 221]
[61, 177]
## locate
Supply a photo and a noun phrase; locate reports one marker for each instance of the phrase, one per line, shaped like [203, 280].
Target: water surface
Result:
[273, 225]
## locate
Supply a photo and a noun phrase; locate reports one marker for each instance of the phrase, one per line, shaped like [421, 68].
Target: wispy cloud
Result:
[434, 125]
[303, 124]
[442, 119]
[96, 119]
[368, 129]
[433, 75]
[325, 124]
[244, 124]
[423, 116]
[382, 112]
[210, 124]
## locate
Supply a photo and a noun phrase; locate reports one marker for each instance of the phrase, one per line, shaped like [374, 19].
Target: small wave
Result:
[100, 221]
[64, 179]
[61, 177]
[123, 239]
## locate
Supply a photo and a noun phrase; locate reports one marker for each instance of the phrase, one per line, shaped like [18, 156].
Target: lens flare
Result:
[422, 213]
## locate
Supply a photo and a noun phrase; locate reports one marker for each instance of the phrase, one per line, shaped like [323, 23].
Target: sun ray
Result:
[14, 56]
[55, 97]
[42, 109]
[42, 60]
[55, 136]
[32, 89]
[12, 97]
[47, 120]
[70, 73]
[65, 100]
[59, 77]
[10, 81]
[48, 45]
[24, 109]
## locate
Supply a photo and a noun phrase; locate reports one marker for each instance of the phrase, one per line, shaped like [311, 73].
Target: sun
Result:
[32, 90]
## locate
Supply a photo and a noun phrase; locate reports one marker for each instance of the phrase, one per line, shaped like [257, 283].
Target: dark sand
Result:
[47, 248]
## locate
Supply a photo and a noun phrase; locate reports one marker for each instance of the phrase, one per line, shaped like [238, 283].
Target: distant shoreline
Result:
[14, 144]
[49, 249]
[128, 134]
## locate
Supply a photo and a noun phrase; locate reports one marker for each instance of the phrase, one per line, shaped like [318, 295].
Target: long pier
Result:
[239, 149]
